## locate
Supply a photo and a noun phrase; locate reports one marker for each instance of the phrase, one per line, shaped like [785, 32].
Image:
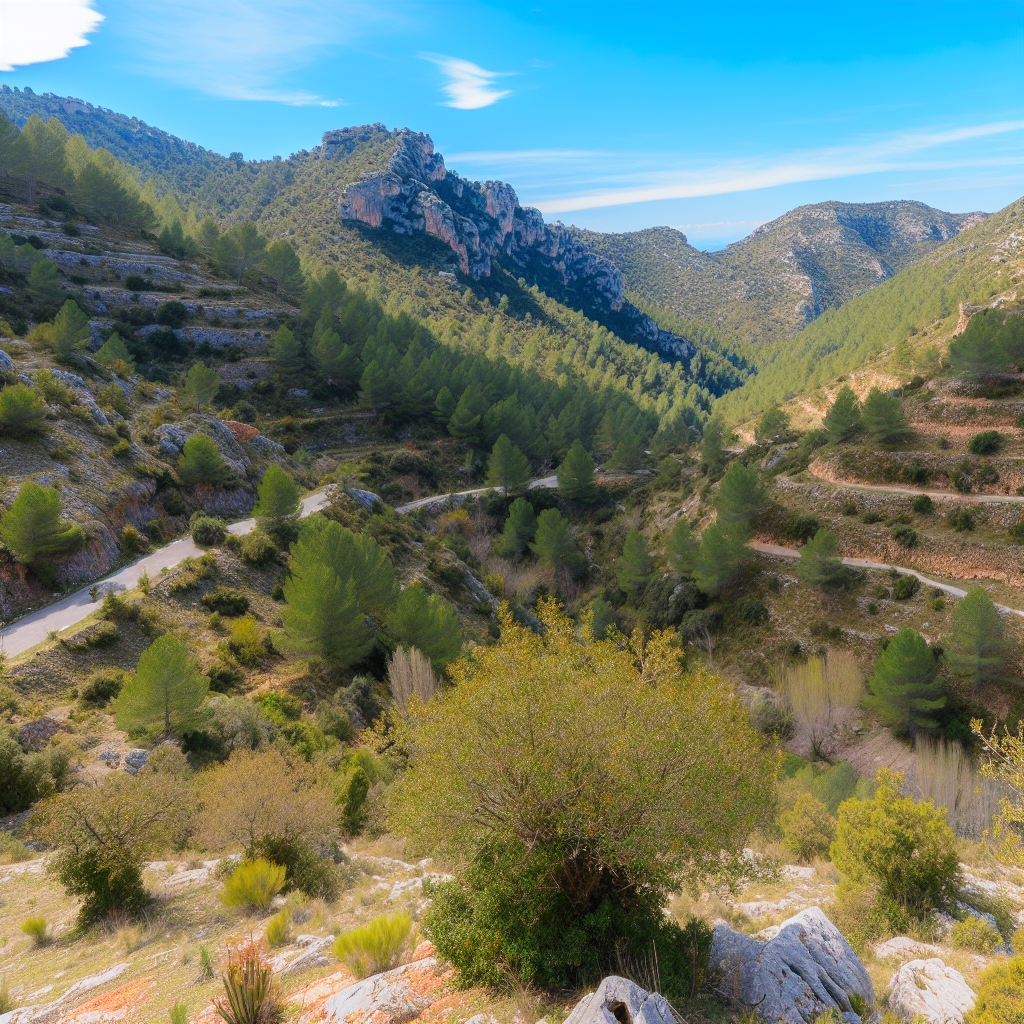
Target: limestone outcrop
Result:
[929, 990]
[617, 1000]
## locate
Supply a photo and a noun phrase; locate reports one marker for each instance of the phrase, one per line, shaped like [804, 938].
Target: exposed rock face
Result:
[930, 990]
[803, 972]
[617, 1000]
[393, 996]
[479, 222]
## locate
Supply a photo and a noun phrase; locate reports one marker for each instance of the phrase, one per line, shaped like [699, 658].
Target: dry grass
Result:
[518, 578]
[944, 774]
[411, 675]
[820, 692]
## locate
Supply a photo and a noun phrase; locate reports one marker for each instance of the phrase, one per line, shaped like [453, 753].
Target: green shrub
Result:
[334, 721]
[253, 885]
[35, 927]
[258, 549]
[279, 707]
[306, 869]
[102, 688]
[1016, 532]
[988, 442]
[961, 520]
[279, 929]
[923, 505]
[224, 676]
[201, 462]
[121, 448]
[976, 935]
[771, 717]
[1000, 994]
[12, 850]
[9, 703]
[226, 601]
[905, 587]
[103, 634]
[808, 829]
[22, 411]
[133, 543]
[178, 1013]
[902, 850]
[870, 517]
[247, 643]
[205, 961]
[905, 536]
[117, 608]
[374, 947]
[206, 530]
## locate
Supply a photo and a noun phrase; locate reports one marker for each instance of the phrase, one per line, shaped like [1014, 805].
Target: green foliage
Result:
[820, 563]
[1000, 994]
[201, 384]
[961, 520]
[635, 565]
[976, 935]
[720, 556]
[988, 442]
[253, 885]
[902, 850]
[554, 544]
[227, 601]
[206, 531]
[905, 587]
[102, 688]
[287, 351]
[507, 467]
[281, 265]
[842, 420]
[905, 536]
[279, 707]
[250, 994]
[278, 931]
[740, 495]
[906, 687]
[625, 783]
[520, 528]
[774, 423]
[36, 928]
[178, 1013]
[33, 529]
[712, 444]
[977, 649]
[808, 829]
[201, 462]
[883, 418]
[257, 549]
[22, 411]
[576, 475]
[923, 505]
[44, 282]
[992, 340]
[278, 501]
[70, 330]
[166, 691]
[681, 547]
[428, 623]
[239, 250]
[374, 947]
[26, 778]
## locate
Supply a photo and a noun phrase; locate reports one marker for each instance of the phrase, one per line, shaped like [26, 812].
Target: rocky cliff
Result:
[484, 222]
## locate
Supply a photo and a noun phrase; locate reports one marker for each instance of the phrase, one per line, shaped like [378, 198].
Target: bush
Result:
[246, 642]
[870, 517]
[206, 530]
[250, 993]
[1000, 994]
[1016, 532]
[22, 411]
[976, 935]
[771, 717]
[961, 520]
[258, 549]
[133, 543]
[201, 462]
[901, 850]
[253, 885]
[905, 536]
[988, 442]
[35, 927]
[26, 778]
[102, 688]
[137, 283]
[808, 829]
[279, 707]
[374, 947]
[224, 676]
[172, 314]
[9, 703]
[923, 505]
[905, 587]
[279, 929]
[117, 608]
[226, 601]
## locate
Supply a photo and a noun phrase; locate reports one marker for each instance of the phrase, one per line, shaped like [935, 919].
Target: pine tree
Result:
[628, 452]
[38, 153]
[576, 475]
[240, 249]
[635, 565]
[278, 500]
[32, 527]
[281, 265]
[740, 495]
[720, 557]
[820, 564]
[200, 462]
[444, 404]
[712, 444]
[166, 692]
[465, 421]
[554, 545]
[114, 350]
[428, 623]
[507, 468]
[70, 330]
[978, 649]
[603, 617]
[376, 386]
[287, 351]
[843, 417]
[22, 411]
[201, 385]
[883, 417]
[773, 424]
[44, 282]
[519, 530]
[682, 547]
[906, 687]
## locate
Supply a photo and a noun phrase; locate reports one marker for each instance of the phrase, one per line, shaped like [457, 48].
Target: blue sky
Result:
[712, 117]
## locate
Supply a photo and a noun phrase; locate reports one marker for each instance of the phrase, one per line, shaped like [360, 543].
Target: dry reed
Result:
[945, 775]
[410, 674]
[819, 691]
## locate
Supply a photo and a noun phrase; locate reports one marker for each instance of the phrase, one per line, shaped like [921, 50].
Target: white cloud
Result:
[36, 31]
[469, 86]
[896, 153]
[247, 49]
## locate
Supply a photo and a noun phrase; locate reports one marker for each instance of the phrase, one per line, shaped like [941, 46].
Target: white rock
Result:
[615, 996]
[393, 994]
[805, 971]
[904, 945]
[930, 989]
[805, 874]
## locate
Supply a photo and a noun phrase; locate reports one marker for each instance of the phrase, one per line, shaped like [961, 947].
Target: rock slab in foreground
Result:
[805, 971]
[397, 995]
[618, 1001]
[932, 991]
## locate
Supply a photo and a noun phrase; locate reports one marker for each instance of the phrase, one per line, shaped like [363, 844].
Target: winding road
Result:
[981, 499]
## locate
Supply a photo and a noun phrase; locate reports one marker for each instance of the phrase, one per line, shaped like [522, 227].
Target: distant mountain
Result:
[785, 274]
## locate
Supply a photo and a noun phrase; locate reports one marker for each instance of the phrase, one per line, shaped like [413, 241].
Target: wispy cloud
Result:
[900, 152]
[247, 49]
[469, 86]
[36, 31]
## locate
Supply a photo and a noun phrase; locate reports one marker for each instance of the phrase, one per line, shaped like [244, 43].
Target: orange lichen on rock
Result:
[110, 1006]
[241, 431]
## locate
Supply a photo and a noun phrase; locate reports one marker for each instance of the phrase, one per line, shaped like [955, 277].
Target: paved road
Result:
[896, 489]
[550, 482]
[863, 563]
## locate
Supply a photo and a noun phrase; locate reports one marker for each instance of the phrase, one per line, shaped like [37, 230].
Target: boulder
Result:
[135, 760]
[387, 998]
[806, 970]
[365, 498]
[6, 362]
[930, 990]
[619, 1001]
